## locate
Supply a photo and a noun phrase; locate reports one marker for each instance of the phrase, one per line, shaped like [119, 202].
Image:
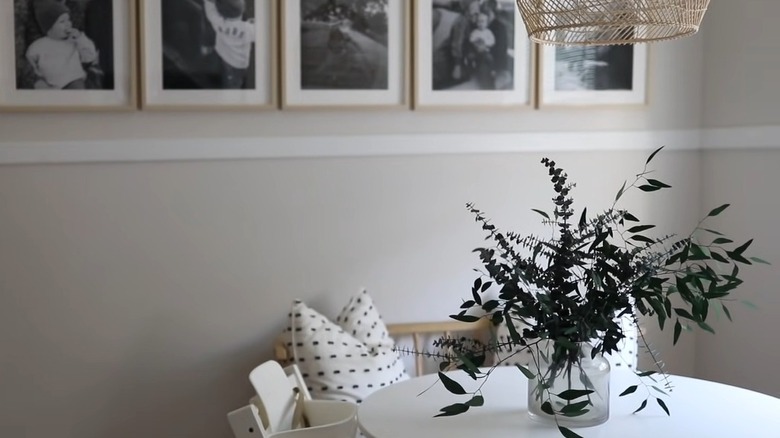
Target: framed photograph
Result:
[471, 53]
[208, 54]
[594, 75]
[345, 53]
[67, 55]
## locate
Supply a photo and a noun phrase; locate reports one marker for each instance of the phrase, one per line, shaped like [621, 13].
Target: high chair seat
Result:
[283, 408]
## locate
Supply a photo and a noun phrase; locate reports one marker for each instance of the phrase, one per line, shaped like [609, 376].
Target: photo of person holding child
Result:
[473, 44]
[64, 44]
[208, 44]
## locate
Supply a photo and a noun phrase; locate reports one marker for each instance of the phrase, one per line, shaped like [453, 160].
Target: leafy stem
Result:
[573, 286]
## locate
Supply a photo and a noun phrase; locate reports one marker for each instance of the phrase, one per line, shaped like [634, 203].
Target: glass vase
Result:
[579, 372]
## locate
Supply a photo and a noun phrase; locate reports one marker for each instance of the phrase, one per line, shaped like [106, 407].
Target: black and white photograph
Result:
[208, 44]
[345, 52]
[62, 48]
[64, 44]
[594, 68]
[201, 54]
[471, 53]
[593, 75]
[473, 44]
[344, 44]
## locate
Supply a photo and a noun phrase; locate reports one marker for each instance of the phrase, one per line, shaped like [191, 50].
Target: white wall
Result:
[137, 296]
[742, 64]
[745, 353]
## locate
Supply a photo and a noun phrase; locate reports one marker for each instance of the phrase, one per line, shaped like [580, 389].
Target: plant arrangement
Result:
[560, 297]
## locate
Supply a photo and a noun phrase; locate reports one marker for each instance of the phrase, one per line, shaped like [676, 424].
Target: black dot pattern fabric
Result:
[627, 354]
[346, 360]
[365, 323]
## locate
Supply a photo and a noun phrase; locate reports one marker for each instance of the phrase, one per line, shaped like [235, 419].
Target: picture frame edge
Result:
[282, 30]
[275, 56]
[142, 64]
[406, 102]
[531, 81]
[599, 106]
[272, 105]
[415, 75]
[134, 56]
[408, 51]
[130, 105]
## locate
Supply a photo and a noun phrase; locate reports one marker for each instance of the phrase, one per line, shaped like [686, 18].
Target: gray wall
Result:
[136, 297]
[742, 64]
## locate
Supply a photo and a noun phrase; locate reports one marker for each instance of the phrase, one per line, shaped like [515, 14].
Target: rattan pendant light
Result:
[606, 22]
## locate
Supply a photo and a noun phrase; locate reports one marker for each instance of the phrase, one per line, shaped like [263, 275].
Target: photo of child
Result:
[344, 45]
[234, 38]
[58, 44]
[482, 37]
[58, 56]
[208, 44]
[481, 42]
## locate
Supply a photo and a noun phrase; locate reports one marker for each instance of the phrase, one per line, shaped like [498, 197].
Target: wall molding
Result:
[137, 150]
[745, 137]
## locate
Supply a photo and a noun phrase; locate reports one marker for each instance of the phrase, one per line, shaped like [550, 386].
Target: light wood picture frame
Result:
[471, 54]
[593, 75]
[208, 55]
[345, 55]
[68, 55]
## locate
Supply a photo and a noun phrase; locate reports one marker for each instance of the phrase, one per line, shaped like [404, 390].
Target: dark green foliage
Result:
[662, 405]
[451, 385]
[570, 288]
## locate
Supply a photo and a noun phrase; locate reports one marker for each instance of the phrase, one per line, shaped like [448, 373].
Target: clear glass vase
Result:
[579, 373]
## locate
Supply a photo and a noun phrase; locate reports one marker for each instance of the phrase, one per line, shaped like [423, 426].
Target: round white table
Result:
[699, 409]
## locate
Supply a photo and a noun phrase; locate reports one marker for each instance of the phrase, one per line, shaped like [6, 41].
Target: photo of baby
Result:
[64, 44]
[481, 42]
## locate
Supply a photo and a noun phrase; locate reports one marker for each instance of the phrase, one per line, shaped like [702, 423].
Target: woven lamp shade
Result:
[607, 22]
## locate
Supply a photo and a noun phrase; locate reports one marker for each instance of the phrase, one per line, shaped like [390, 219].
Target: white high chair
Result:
[283, 405]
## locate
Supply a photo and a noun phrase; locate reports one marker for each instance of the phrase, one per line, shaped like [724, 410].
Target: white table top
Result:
[699, 409]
